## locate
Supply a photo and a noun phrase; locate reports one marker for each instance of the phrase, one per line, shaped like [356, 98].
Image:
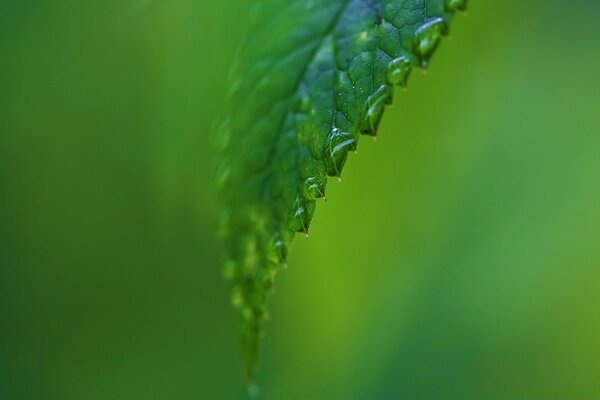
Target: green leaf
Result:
[311, 77]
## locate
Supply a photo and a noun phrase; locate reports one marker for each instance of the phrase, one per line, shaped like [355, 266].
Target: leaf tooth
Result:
[313, 187]
[336, 149]
[453, 5]
[373, 109]
[301, 214]
[398, 71]
[427, 38]
[312, 178]
[278, 249]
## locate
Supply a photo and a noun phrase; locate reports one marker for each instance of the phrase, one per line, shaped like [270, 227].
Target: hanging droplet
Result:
[427, 38]
[314, 187]
[336, 149]
[374, 108]
[453, 5]
[398, 71]
[301, 214]
[278, 249]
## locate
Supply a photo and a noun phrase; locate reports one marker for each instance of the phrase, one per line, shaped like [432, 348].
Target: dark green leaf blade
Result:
[311, 76]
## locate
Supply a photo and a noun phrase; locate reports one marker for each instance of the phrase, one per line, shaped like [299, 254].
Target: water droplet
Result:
[427, 38]
[278, 249]
[301, 215]
[336, 149]
[453, 5]
[398, 71]
[374, 107]
[314, 187]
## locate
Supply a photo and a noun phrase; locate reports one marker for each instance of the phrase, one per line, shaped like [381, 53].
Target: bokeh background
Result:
[458, 259]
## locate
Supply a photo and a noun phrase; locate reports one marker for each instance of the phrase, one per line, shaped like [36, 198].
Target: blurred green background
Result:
[458, 259]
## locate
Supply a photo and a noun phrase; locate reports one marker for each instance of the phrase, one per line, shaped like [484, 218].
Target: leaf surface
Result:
[310, 77]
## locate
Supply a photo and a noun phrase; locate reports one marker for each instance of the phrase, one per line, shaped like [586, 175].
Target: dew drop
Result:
[336, 149]
[301, 214]
[453, 5]
[427, 38]
[398, 71]
[278, 250]
[314, 187]
[374, 107]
